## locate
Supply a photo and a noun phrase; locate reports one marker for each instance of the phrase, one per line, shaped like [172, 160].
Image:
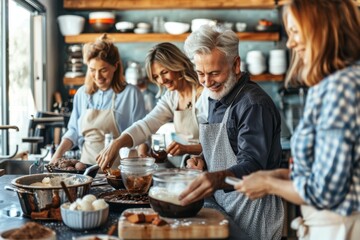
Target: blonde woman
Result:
[167, 66]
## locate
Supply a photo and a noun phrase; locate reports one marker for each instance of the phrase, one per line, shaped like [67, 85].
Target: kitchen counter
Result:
[11, 213]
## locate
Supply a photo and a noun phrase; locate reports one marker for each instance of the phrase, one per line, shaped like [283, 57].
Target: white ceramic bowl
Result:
[71, 24]
[141, 30]
[83, 220]
[124, 26]
[176, 28]
[240, 26]
[101, 15]
[198, 22]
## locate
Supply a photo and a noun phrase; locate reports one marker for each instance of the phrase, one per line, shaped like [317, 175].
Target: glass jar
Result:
[168, 184]
[136, 174]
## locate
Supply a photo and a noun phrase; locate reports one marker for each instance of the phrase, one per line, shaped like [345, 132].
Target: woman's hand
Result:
[176, 149]
[196, 163]
[107, 156]
[254, 185]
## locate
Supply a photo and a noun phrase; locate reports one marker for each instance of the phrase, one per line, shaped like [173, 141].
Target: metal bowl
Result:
[39, 198]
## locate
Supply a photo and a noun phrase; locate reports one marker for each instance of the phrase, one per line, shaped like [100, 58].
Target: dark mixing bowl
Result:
[170, 210]
[115, 182]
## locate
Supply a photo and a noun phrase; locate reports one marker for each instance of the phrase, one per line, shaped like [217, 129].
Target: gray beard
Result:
[228, 86]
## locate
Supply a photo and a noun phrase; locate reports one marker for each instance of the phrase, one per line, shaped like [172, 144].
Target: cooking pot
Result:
[38, 198]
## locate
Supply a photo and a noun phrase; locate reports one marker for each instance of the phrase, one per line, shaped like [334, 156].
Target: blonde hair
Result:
[330, 31]
[104, 49]
[173, 59]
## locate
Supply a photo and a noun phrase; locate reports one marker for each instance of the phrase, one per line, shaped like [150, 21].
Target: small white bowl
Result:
[144, 25]
[240, 26]
[141, 30]
[71, 24]
[176, 28]
[101, 15]
[83, 220]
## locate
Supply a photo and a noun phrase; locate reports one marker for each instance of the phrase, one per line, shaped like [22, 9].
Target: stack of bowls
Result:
[277, 61]
[74, 65]
[101, 21]
[71, 24]
[142, 28]
[255, 61]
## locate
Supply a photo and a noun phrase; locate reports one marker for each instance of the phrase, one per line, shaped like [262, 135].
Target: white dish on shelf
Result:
[71, 24]
[74, 74]
[141, 30]
[176, 28]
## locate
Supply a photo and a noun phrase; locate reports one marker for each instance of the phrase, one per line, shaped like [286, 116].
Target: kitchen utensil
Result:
[66, 190]
[232, 180]
[208, 224]
[91, 170]
[38, 198]
[167, 186]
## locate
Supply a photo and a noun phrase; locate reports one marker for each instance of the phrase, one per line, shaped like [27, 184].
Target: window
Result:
[22, 66]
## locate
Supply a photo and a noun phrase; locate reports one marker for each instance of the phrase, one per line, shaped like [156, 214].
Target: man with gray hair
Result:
[242, 135]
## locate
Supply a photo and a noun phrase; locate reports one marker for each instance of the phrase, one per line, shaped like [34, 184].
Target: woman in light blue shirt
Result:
[104, 105]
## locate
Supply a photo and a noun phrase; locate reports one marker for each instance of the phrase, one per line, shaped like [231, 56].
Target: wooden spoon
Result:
[66, 190]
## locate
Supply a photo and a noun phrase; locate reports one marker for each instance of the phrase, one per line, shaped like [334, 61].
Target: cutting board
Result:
[207, 224]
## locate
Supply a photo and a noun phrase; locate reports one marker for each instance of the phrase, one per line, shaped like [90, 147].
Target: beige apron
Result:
[324, 224]
[186, 123]
[219, 155]
[95, 124]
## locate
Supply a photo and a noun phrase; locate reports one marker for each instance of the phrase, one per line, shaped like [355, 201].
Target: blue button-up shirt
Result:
[326, 144]
[129, 107]
[253, 127]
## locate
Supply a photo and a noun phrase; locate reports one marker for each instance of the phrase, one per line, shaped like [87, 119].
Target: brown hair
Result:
[173, 59]
[105, 50]
[330, 31]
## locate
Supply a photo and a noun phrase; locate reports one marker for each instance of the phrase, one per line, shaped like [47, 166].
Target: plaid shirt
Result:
[326, 144]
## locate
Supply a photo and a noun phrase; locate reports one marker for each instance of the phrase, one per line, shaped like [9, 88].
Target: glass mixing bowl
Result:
[165, 191]
[136, 174]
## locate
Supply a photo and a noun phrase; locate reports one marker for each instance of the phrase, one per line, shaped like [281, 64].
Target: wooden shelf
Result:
[170, 4]
[258, 78]
[267, 77]
[162, 37]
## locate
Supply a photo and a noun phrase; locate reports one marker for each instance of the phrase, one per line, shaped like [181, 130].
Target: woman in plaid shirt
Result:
[324, 36]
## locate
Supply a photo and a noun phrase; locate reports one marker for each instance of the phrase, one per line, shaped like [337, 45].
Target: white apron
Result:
[268, 221]
[324, 224]
[186, 123]
[94, 125]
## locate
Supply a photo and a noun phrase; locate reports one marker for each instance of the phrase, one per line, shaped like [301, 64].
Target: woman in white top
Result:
[167, 66]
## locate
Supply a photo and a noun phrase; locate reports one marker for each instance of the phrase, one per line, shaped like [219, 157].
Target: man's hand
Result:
[203, 186]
